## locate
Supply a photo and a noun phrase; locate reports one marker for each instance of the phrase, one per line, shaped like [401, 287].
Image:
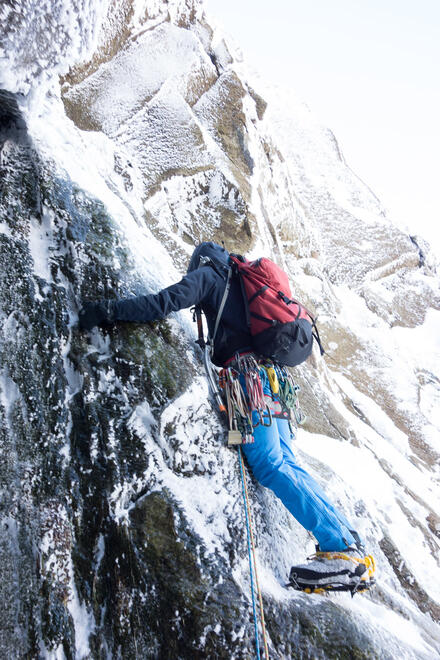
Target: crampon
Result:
[348, 570]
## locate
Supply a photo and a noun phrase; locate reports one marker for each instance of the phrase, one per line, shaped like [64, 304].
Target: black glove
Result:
[96, 313]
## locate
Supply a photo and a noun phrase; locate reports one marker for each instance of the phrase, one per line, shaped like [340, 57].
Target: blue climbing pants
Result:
[273, 464]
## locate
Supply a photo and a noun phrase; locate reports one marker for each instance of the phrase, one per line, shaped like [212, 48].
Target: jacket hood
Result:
[218, 254]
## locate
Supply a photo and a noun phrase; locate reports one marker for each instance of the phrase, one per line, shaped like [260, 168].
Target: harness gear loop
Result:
[269, 415]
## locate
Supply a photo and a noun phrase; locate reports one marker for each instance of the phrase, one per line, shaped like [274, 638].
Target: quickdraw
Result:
[245, 400]
[288, 394]
[243, 390]
[239, 414]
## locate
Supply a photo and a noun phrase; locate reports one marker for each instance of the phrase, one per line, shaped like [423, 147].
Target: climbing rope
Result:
[246, 512]
[253, 560]
[243, 391]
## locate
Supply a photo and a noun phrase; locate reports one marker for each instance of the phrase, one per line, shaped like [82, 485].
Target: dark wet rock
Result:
[320, 629]
[120, 509]
[221, 109]
[56, 487]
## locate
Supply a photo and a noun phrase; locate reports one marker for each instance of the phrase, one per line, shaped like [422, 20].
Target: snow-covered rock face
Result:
[122, 523]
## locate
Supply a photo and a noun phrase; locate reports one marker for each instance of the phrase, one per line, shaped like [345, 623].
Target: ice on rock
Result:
[118, 494]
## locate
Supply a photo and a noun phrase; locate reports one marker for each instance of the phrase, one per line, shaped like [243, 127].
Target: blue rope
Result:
[254, 606]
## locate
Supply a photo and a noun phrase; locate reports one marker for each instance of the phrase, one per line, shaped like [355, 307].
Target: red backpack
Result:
[281, 328]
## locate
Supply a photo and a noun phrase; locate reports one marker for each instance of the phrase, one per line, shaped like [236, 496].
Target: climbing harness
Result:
[247, 405]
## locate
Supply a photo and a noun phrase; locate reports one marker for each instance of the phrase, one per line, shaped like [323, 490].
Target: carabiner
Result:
[273, 379]
[269, 416]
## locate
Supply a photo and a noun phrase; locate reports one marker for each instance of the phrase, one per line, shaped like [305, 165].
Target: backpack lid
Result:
[262, 272]
[217, 253]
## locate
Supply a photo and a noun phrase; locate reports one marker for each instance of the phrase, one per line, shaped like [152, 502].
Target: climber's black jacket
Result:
[202, 286]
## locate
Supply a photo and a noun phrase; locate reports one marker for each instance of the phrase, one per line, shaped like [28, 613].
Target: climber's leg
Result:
[286, 442]
[274, 466]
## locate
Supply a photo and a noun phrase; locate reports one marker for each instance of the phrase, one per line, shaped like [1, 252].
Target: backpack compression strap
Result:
[198, 312]
[317, 337]
[281, 295]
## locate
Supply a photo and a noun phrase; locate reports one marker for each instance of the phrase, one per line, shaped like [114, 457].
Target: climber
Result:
[340, 562]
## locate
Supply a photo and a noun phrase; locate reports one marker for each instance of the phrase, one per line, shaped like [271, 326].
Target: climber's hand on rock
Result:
[96, 313]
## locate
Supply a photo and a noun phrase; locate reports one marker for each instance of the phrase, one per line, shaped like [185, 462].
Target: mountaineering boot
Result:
[348, 570]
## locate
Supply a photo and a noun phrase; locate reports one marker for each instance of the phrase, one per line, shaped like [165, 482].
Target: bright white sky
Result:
[370, 70]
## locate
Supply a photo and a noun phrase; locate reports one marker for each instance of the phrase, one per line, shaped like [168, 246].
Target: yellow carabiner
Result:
[273, 379]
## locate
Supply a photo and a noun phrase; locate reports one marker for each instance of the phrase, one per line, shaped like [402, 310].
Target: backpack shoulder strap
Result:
[236, 260]
[205, 261]
[222, 306]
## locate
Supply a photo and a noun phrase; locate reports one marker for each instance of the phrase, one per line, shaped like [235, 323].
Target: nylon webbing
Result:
[222, 306]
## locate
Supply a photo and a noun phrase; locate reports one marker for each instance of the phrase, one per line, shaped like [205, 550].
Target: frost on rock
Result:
[136, 74]
[121, 514]
[39, 38]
